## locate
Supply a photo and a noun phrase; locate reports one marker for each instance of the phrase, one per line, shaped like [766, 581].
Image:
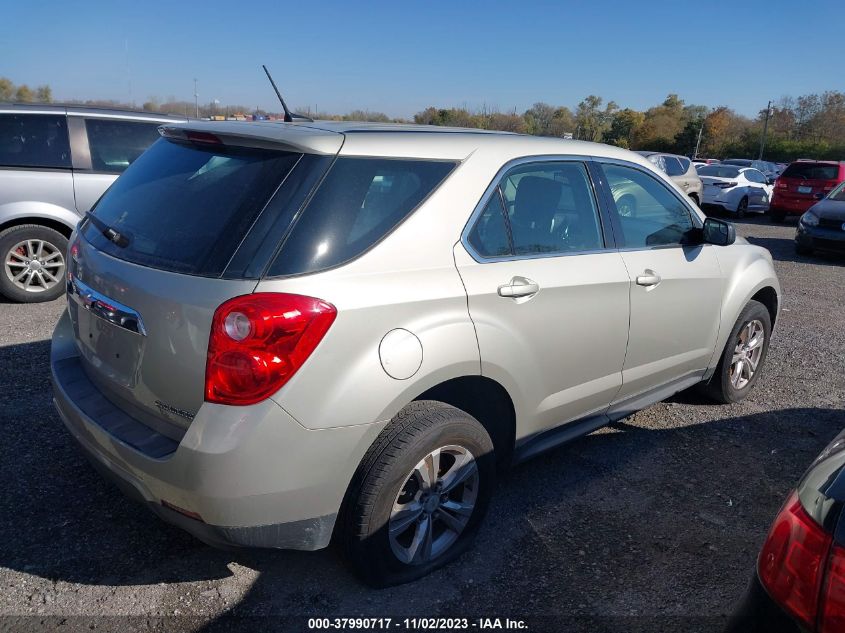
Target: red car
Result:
[802, 184]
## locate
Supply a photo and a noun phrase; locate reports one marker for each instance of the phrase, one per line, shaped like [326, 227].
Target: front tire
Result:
[743, 357]
[419, 495]
[33, 263]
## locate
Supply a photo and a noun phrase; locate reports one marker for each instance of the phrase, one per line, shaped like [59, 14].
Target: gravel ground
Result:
[652, 524]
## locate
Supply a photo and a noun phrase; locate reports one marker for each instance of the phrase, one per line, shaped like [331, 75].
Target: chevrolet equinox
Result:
[279, 335]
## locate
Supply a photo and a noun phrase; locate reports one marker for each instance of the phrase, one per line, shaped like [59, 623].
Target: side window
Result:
[755, 176]
[649, 214]
[34, 140]
[673, 166]
[685, 162]
[489, 235]
[551, 209]
[658, 160]
[358, 203]
[115, 144]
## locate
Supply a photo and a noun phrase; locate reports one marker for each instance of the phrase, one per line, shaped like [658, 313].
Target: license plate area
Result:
[804, 189]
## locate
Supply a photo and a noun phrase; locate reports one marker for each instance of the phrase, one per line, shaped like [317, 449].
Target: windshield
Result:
[838, 194]
[185, 208]
[719, 171]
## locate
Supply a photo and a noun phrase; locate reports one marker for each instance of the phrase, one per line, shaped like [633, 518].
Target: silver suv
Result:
[681, 170]
[55, 162]
[278, 334]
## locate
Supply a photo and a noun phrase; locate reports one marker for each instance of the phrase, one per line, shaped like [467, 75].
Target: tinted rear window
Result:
[34, 140]
[742, 162]
[360, 201]
[718, 171]
[185, 208]
[812, 171]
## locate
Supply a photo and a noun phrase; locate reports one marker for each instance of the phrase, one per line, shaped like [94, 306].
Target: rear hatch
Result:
[717, 178]
[806, 180]
[181, 231]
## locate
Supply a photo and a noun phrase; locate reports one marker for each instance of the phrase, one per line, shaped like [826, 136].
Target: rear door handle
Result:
[648, 278]
[519, 287]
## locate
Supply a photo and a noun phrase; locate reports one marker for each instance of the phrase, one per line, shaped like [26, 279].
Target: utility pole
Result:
[698, 142]
[196, 98]
[765, 129]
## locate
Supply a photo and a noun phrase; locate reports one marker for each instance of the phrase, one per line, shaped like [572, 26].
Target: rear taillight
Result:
[792, 561]
[833, 594]
[780, 184]
[259, 341]
[725, 185]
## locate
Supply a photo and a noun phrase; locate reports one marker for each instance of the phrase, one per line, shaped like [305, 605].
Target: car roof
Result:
[403, 140]
[86, 110]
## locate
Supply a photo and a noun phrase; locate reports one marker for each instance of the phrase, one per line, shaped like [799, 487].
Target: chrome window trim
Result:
[494, 185]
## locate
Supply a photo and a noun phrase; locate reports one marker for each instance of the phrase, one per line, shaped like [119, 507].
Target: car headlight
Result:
[810, 219]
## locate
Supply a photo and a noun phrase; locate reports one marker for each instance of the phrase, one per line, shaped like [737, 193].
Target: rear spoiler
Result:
[275, 136]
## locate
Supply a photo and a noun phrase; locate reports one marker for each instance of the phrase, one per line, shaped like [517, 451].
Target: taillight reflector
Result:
[792, 561]
[259, 341]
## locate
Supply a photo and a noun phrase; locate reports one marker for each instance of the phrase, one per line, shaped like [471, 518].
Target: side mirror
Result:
[719, 232]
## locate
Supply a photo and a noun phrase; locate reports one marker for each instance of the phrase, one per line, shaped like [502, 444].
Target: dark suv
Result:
[55, 162]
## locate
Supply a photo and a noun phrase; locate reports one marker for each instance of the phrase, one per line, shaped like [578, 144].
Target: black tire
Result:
[694, 198]
[719, 387]
[386, 472]
[742, 207]
[777, 216]
[12, 251]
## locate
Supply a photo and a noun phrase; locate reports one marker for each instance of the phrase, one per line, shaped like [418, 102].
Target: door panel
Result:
[674, 323]
[88, 187]
[560, 351]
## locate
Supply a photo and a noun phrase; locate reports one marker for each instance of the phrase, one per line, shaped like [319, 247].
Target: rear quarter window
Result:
[34, 140]
[359, 202]
[115, 144]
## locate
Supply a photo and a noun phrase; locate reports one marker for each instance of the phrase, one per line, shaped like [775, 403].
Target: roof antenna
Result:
[289, 116]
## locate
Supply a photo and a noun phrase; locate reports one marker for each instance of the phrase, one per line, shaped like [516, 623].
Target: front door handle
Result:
[519, 287]
[648, 278]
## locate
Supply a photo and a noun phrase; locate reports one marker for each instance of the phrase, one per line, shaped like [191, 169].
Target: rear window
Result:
[34, 140]
[812, 171]
[360, 201]
[186, 208]
[742, 162]
[718, 171]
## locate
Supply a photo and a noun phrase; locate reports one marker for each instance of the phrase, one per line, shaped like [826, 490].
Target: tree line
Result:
[809, 126]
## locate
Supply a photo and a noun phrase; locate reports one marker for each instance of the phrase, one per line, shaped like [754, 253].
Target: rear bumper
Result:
[822, 239]
[242, 476]
[758, 613]
[791, 206]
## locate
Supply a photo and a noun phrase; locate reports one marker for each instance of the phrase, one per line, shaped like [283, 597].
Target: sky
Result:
[401, 57]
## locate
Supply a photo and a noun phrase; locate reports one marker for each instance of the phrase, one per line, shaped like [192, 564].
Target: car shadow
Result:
[624, 509]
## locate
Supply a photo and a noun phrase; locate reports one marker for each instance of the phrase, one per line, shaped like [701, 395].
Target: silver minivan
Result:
[55, 162]
[280, 334]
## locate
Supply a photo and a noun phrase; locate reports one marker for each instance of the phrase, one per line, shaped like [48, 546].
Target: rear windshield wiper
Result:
[113, 235]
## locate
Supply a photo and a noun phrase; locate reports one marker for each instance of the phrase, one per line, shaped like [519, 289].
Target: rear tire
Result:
[742, 207]
[33, 268]
[742, 361]
[395, 526]
[694, 198]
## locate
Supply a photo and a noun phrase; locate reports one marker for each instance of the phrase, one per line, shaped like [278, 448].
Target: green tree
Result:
[7, 89]
[622, 127]
[591, 120]
[24, 95]
[43, 94]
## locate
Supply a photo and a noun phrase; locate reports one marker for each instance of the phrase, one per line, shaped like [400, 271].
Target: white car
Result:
[736, 189]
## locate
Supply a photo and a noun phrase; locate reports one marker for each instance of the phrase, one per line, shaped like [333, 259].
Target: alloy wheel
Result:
[434, 505]
[35, 265]
[747, 353]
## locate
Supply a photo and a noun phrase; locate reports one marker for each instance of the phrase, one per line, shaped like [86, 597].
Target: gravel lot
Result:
[652, 524]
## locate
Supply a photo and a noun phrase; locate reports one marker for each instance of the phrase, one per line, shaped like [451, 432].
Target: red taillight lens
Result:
[791, 563]
[259, 341]
[780, 184]
[833, 595]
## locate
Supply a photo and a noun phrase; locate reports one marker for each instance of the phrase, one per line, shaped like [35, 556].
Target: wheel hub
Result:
[34, 265]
